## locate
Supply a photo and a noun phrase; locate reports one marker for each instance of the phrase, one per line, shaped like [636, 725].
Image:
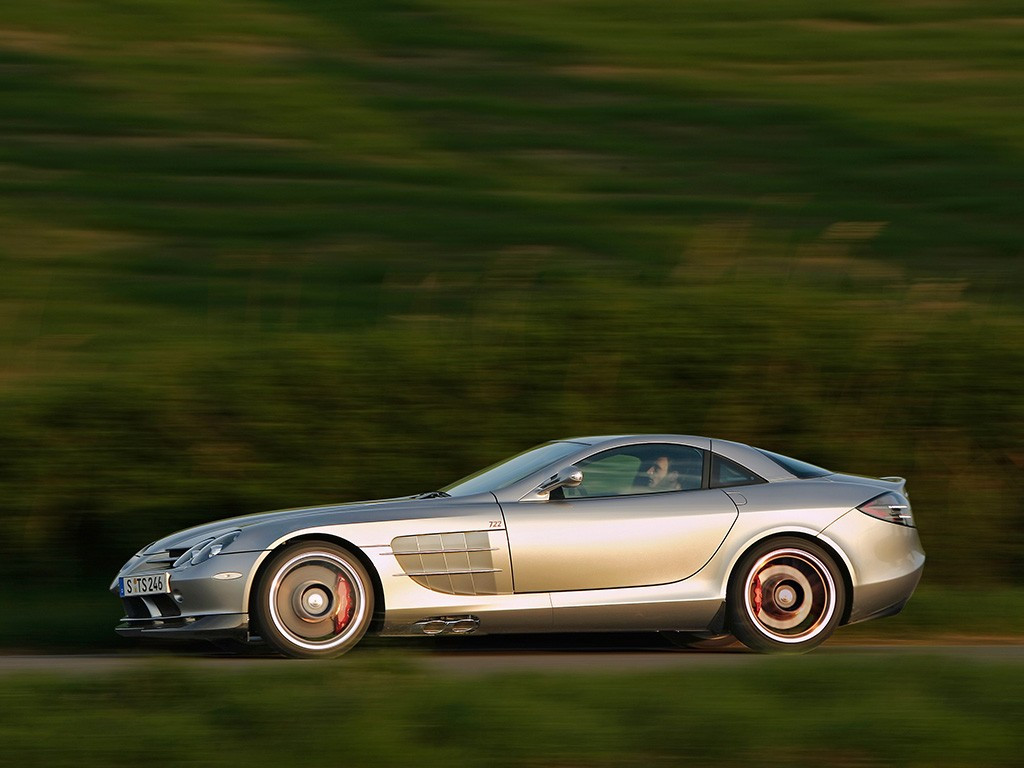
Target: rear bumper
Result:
[875, 601]
[885, 563]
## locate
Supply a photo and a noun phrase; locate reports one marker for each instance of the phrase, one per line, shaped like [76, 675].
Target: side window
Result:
[726, 473]
[639, 469]
[608, 475]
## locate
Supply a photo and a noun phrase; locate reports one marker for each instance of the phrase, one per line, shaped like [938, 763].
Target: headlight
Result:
[206, 549]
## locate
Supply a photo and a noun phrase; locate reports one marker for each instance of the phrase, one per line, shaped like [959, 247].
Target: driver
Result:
[659, 476]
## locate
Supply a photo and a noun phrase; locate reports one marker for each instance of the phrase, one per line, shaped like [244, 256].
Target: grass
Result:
[258, 255]
[385, 710]
[938, 615]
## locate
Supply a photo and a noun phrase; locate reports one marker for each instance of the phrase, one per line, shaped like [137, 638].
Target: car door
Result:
[642, 516]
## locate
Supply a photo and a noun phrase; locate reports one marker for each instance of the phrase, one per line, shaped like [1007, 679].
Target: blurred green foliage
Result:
[383, 710]
[266, 254]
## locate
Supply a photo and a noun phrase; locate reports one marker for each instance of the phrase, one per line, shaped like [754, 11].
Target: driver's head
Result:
[657, 470]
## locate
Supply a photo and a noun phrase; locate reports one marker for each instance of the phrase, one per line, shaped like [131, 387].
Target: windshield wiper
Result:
[433, 495]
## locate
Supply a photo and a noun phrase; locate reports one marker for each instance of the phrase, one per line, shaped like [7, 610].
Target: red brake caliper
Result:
[757, 594]
[345, 605]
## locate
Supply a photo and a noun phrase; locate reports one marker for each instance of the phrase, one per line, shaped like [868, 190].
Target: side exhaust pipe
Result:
[448, 625]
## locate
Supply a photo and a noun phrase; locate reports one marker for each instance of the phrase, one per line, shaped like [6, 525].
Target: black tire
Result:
[314, 601]
[786, 595]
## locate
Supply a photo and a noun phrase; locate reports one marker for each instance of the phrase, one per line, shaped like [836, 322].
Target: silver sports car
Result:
[638, 532]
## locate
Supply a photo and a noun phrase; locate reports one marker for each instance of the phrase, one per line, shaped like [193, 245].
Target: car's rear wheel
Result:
[786, 596]
[315, 600]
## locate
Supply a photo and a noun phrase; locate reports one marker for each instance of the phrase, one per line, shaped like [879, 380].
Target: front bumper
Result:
[187, 627]
[206, 600]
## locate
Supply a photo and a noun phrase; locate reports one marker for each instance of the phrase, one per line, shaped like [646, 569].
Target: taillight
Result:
[891, 507]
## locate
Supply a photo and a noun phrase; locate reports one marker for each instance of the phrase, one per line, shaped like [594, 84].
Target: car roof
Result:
[638, 438]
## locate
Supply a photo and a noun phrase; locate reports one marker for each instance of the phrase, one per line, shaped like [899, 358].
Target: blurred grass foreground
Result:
[265, 254]
[820, 710]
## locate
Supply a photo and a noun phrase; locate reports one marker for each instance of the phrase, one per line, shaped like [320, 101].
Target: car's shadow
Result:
[597, 642]
[556, 643]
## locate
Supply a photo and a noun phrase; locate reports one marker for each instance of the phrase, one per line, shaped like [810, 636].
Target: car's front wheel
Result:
[315, 600]
[786, 596]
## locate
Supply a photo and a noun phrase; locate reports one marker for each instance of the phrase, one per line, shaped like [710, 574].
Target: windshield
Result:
[509, 471]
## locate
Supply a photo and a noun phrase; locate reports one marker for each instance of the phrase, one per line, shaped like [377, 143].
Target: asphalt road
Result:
[482, 660]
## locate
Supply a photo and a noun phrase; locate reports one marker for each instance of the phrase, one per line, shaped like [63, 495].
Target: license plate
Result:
[140, 586]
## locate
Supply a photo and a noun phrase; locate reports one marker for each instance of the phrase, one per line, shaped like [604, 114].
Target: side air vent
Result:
[455, 563]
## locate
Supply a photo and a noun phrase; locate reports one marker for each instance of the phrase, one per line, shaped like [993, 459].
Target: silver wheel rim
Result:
[317, 601]
[789, 595]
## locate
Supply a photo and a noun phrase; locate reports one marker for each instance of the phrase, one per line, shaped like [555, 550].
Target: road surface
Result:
[482, 659]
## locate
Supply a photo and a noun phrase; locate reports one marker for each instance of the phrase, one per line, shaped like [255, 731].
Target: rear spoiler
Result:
[901, 482]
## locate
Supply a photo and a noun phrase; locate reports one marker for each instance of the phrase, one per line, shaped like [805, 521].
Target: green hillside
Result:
[264, 254]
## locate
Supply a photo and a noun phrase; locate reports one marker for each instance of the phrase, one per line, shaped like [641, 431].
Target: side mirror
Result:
[569, 477]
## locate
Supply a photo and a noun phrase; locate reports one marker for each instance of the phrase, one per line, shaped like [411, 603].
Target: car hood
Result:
[287, 519]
